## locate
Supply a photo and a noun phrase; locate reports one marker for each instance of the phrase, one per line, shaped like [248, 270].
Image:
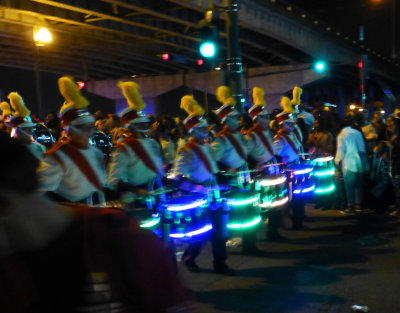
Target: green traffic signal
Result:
[208, 49]
[320, 66]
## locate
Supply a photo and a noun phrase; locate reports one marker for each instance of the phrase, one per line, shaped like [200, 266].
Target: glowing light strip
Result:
[186, 206]
[243, 202]
[305, 171]
[151, 223]
[324, 159]
[246, 225]
[297, 191]
[193, 233]
[275, 203]
[330, 188]
[273, 182]
[325, 173]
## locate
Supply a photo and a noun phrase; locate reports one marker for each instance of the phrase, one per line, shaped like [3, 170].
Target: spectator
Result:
[320, 140]
[393, 125]
[53, 257]
[352, 159]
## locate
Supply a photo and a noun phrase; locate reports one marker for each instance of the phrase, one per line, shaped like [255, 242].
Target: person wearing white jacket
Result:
[352, 158]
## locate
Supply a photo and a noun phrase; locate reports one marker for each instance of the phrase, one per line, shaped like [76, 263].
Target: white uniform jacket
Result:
[126, 166]
[284, 149]
[37, 150]
[189, 164]
[223, 151]
[257, 149]
[66, 179]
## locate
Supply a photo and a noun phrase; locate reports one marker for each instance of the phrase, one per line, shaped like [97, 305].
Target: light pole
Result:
[41, 37]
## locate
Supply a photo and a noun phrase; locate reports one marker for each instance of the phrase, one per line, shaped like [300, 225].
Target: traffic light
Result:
[320, 66]
[209, 35]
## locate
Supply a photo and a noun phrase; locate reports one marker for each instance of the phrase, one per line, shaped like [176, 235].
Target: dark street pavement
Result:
[339, 261]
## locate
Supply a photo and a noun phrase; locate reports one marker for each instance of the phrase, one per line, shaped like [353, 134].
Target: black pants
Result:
[274, 222]
[298, 212]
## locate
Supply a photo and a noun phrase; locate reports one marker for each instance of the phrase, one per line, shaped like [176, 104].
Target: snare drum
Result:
[273, 190]
[324, 174]
[244, 210]
[301, 182]
[185, 216]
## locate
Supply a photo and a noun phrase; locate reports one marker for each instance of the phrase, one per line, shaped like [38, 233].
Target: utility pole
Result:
[234, 55]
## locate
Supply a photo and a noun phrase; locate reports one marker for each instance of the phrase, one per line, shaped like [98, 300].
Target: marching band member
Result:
[230, 150]
[194, 161]
[289, 148]
[261, 149]
[288, 108]
[73, 170]
[136, 160]
[22, 126]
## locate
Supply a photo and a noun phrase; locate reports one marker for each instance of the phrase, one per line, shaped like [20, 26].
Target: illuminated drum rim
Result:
[326, 190]
[273, 182]
[243, 201]
[192, 233]
[245, 225]
[274, 203]
[330, 172]
[323, 159]
[305, 190]
[183, 207]
[150, 222]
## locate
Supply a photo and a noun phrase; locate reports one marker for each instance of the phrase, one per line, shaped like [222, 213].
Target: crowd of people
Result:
[141, 157]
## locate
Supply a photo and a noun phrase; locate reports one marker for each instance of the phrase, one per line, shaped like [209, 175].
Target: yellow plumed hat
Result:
[286, 105]
[130, 91]
[297, 91]
[133, 113]
[191, 106]
[5, 109]
[224, 95]
[17, 103]
[258, 96]
[72, 94]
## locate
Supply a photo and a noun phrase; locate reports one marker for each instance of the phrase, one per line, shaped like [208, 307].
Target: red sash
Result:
[297, 133]
[264, 139]
[78, 158]
[289, 141]
[141, 153]
[200, 154]
[226, 133]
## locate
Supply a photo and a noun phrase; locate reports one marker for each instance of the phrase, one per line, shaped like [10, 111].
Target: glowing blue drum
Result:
[273, 190]
[301, 182]
[185, 217]
[244, 210]
[324, 174]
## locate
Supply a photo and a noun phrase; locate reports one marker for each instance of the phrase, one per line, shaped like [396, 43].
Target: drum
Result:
[185, 216]
[301, 182]
[273, 190]
[101, 141]
[41, 134]
[324, 174]
[243, 206]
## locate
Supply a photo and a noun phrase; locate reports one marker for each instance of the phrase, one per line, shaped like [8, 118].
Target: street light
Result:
[41, 37]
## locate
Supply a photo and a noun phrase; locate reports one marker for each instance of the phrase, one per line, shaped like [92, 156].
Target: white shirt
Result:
[223, 151]
[127, 167]
[351, 151]
[67, 180]
[188, 164]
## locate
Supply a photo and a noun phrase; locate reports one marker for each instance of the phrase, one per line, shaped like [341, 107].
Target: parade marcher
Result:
[351, 157]
[136, 160]
[261, 150]
[22, 126]
[73, 170]
[72, 258]
[230, 150]
[304, 120]
[195, 162]
[288, 108]
[288, 148]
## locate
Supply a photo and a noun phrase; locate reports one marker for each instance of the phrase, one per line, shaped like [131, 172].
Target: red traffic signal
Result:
[81, 84]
